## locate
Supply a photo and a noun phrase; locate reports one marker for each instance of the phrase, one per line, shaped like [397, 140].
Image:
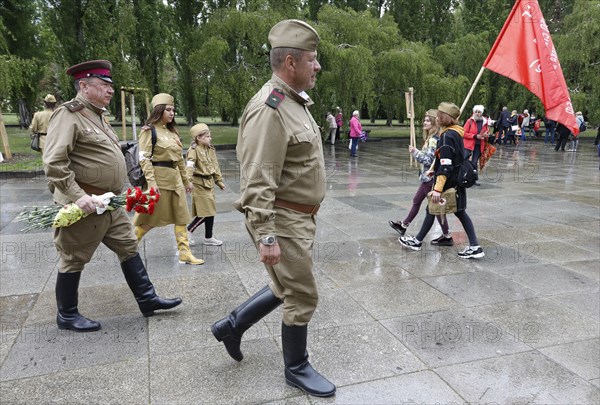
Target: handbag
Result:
[514, 127]
[35, 142]
[447, 204]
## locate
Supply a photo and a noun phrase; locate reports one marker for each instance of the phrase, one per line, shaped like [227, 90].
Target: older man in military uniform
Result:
[39, 124]
[282, 184]
[82, 159]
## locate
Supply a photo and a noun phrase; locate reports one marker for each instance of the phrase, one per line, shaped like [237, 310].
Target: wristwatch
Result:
[268, 240]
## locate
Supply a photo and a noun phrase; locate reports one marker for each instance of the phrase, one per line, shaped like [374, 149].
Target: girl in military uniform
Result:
[203, 169]
[164, 169]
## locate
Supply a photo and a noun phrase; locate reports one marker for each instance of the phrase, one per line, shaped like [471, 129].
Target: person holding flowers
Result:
[84, 166]
[203, 169]
[165, 172]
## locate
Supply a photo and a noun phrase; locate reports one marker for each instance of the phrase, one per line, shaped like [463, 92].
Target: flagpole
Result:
[462, 107]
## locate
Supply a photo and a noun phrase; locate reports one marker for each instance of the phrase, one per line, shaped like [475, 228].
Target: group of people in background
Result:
[512, 128]
[335, 126]
[334, 129]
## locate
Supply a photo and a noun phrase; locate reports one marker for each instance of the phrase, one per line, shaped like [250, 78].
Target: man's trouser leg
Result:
[76, 244]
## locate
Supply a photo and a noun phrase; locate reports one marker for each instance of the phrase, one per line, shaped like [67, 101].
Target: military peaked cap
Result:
[92, 68]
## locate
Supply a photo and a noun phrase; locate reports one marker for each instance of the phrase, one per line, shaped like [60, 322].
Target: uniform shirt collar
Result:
[301, 98]
[86, 102]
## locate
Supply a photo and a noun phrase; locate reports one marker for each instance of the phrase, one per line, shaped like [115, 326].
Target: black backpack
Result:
[466, 173]
[131, 151]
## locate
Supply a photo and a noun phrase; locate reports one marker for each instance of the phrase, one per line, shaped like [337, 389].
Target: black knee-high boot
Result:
[143, 290]
[230, 329]
[68, 316]
[298, 371]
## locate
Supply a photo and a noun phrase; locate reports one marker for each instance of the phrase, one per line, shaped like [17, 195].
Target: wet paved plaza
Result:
[393, 326]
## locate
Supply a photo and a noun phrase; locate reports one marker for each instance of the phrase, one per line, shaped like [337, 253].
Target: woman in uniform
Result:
[203, 169]
[164, 169]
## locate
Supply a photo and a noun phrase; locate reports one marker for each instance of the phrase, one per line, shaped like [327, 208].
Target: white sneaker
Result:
[474, 252]
[410, 242]
[213, 242]
[191, 240]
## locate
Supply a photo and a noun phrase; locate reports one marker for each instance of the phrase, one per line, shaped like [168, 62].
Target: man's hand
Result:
[87, 204]
[189, 187]
[269, 254]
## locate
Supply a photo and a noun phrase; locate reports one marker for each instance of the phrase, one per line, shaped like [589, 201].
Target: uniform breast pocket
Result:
[88, 135]
[169, 145]
[306, 137]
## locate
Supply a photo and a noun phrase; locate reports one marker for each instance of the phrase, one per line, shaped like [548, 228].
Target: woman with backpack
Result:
[164, 169]
[448, 156]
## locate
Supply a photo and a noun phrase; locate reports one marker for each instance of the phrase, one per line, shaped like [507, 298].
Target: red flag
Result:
[524, 52]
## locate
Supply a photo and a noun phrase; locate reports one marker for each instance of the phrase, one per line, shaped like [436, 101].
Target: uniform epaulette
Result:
[74, 105]
[275, 98]
[193, 146]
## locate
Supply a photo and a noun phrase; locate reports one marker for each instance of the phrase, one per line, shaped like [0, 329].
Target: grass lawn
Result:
[25, 159]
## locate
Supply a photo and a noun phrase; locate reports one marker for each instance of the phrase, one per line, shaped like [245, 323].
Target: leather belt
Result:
[163, 164]
[89, 189]
[304, 208]
[204, 176]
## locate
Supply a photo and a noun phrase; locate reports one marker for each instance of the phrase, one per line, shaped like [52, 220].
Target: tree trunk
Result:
[24, 120]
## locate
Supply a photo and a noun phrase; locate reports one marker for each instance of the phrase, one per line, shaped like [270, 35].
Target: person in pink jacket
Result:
[355, 131]
[476, 132]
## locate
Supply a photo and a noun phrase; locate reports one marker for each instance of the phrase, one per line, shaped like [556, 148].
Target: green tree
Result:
[346, 57]
[187, 17]
[21, 58]
[579, 55]
[423, 20]
[233, 60]
[152, 36]
[94, 29]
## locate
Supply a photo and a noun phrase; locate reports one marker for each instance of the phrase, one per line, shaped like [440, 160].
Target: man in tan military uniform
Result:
[39, 124]
[83, 158]
[282, 184]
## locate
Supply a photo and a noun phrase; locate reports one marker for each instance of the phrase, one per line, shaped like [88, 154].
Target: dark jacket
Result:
[451, 151]
[562, 131]
[504, 116]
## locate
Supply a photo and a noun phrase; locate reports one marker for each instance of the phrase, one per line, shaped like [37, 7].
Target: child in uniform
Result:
[203, 168]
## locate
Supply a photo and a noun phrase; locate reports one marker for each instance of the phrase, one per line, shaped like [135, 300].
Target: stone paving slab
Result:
[521, 378]
[393, 326]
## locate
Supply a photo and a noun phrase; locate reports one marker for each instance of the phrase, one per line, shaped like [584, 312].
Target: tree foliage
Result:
[213, 55]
